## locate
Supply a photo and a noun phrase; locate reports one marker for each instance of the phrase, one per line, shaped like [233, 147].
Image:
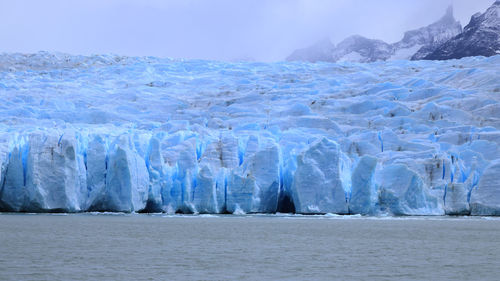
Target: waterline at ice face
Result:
[108, 133]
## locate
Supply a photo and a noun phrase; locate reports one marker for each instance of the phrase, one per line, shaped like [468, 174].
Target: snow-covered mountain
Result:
[415, 45]
[429, 38]
[354, 48]
[360, 49]
[481, 37]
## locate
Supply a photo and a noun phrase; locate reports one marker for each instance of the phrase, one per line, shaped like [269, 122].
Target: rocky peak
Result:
[489, 19]
[481, 37]
[448, 16]
[443, 29]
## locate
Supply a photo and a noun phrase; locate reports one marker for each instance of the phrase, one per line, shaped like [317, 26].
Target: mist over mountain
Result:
[225, 30]
[415, 44]
[441, 40]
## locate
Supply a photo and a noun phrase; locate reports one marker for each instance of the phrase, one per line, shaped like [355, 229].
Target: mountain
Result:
[415, 44]
[321, 51]
[429, 38]
[481, 37]
[354, 48]
[360, 49]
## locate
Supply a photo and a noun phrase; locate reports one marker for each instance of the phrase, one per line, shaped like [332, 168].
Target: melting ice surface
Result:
[110, 133]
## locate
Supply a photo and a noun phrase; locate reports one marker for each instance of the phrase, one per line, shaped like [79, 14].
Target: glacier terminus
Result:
[145, 134]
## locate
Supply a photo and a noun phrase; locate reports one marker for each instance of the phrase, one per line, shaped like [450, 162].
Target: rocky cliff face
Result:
[481, 37]
[431, 36]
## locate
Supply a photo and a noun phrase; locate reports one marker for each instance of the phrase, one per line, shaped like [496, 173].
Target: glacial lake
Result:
[250, 247]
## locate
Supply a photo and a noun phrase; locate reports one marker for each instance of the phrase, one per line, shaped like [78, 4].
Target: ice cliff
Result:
[110, 133]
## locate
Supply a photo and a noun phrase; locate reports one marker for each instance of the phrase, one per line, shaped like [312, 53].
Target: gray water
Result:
[156, 247]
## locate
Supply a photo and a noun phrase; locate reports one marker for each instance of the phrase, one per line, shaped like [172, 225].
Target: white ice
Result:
[110, 133]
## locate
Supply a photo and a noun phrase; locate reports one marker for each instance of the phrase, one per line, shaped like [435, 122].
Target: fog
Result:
[263, 30]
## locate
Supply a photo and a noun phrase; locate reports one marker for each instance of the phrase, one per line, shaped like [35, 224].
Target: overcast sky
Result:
[264, 30]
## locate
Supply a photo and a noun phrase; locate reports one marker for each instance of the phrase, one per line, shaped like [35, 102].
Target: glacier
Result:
[147, 134]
